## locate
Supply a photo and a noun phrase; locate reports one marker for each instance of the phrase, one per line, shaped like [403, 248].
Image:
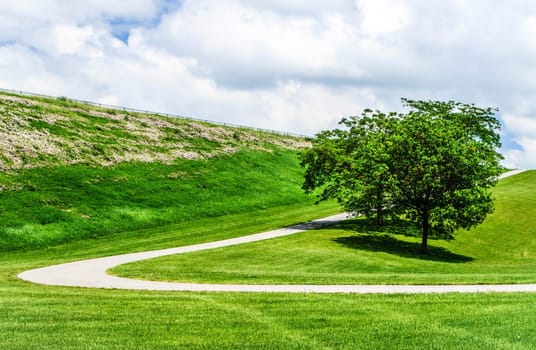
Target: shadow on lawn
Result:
[372, 238]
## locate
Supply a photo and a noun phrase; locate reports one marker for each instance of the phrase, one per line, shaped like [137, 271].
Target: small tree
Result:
[434, 165]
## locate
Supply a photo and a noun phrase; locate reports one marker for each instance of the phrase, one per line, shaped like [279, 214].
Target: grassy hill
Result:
[44, 317]
[38, 131]
[501, 250]
[94, 176]
[73, 171]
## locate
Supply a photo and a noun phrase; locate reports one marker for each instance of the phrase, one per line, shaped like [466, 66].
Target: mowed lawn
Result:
[46, 317]
[501, 250]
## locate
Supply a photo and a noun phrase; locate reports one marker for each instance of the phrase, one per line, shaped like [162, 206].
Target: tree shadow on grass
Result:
[376, 239]
[368, 226]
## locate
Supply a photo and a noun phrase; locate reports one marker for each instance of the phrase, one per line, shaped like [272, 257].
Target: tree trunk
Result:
[379, 215]
[425, 232]
[379, 207]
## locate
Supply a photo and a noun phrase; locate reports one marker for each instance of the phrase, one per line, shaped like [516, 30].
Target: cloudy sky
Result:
[290, 65]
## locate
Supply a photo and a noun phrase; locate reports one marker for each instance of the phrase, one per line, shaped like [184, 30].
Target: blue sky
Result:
[290, 65]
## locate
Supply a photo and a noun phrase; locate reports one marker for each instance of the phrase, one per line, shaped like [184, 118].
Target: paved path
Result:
[92, 273]
[511, 173]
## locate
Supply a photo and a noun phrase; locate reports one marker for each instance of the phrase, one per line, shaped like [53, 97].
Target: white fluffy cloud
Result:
[383, 16]
[291, 65]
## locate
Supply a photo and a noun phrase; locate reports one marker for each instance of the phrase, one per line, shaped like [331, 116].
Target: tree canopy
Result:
[434, 165]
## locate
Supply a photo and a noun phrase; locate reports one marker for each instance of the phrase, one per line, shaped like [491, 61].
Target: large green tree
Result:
[434, 165]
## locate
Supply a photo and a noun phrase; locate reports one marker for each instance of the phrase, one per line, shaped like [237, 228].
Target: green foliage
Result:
[433, 165]
[351, 165]
[445, 161]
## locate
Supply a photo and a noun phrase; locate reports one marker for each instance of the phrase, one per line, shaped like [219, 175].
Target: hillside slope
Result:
[36, 132]
[73, 171]
[501, 250]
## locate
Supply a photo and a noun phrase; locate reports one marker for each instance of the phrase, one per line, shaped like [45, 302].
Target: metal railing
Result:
[135, 110]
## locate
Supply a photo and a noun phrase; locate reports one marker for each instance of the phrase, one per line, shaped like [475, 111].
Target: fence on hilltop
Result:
[135, 110]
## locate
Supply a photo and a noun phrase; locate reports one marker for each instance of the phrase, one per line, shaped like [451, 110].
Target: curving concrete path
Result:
[511, 173]
[92, 273]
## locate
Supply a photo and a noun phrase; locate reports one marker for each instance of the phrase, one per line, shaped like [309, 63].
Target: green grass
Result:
[501, 250]
[71, 171]
[48, 206]
[65, 206]
[43, 317]
[83, 319]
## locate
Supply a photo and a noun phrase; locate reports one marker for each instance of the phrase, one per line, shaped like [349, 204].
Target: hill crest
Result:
[40, 131]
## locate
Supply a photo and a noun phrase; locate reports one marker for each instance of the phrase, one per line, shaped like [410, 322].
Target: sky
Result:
[290, 65]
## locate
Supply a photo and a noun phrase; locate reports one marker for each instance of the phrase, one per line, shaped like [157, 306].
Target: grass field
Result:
[502, 250]
[58, 318]
[79, 183]
[41, 317]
